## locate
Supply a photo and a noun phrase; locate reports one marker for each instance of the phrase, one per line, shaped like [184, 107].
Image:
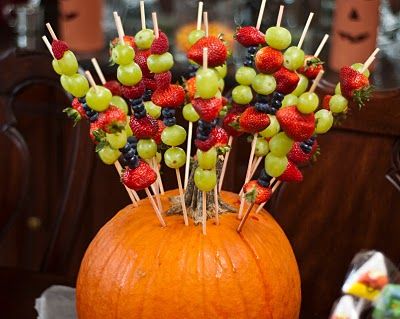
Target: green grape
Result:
[338, 89]
[245, 75]
[262, 147]
[293, 58]
[189, 113]
[275, 165]
[273, 127]
[123, 54]
[278, 38]
[324, 120]
[338, 103]
[175, 157]
[206, 83]
[159, 157]
[195, 36]
[358, 67]
[264, 84]
[159, 63]
[144, 39]
[242, 94]
[56, 66]
[98, 98]
[129, 74]
[302, 86]
[75, 84]
[280, 144]
[207, 160]
[221, 84]
[146, 148]
[308, 102]
[204, 179]
[222, 70]
[120, 103]
[109, 155]
[116, 140]
[173, 135]
[68, 63]
[290, 100]
[128, 129]
[153, 110]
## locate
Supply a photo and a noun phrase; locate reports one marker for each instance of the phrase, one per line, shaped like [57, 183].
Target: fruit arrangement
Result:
[133, 125]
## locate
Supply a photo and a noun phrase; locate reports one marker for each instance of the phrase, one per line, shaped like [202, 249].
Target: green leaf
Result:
[251, 196]
[101, 145]
[73, 114]
[99, 135]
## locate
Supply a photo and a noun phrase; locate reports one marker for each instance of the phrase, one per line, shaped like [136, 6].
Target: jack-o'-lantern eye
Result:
[353, 15]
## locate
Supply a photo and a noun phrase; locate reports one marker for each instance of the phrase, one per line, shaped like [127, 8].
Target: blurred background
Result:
[55, 193]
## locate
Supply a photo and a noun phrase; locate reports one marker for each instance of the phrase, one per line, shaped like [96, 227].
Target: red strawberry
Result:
[298, 156]
[140, 177]
[238, 108]
[133, 91]
[286, 81]
[150, 84]
[217, 52]
[312, 66]
[160, 45]
[255, 193]
[224, 100]
[190, 87]
[157, 136]
[95, 132]
[59, 47]
[253, 121]
[291, 174]
[268, 60]
[207, 144]
[141, 60]
[325, 102]
[249, 36]
[146, 127]
[112, 120]
[231, 124]
[163, 80]
[114, 87]
[354, 85]
[128, 39]
[295, 124]
[208, 109]
[76, 112]
[173, 96]
[220, 136]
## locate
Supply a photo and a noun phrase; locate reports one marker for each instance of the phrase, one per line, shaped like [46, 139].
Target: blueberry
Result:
[138, 108]
[262, 98]
[309, 142]
[252, 50]
[140, 114]
[133, 102]
[265, 108]
[94, 117]
[86, 107]
[278, 96]
[306, 148]
[214, 122]
[132, 140]
[134, 162]
[248, 63]
[264, 179]
[204, 130]
[168, 112]
[263, 183]
[201, 136]
[131, 153]
[205, 124]
[147, 95]
[122, 161]
[170, 121]
[276, 104]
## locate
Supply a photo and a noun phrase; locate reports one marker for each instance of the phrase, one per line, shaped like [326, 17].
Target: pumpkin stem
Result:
[193, 199]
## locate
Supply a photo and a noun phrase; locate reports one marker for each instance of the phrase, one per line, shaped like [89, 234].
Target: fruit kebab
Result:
[65, 64]
[169, 97]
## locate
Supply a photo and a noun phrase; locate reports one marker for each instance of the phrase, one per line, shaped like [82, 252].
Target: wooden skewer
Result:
[280, 15]
[246, 215]
[260, 14]
[255, 166]
[130, 192]
[204, 209]
[142, 15]
[98, 71]
[205, 18]
[182, 196]
[216, 204]
[188, 153]
[48, 45]
[155, 189]
[305, 30]
[153, 203]
[90, 79]
[225, 164]
[155, 24]
[51, 31]
[199, 15]
[369, 61]
[316, 81]
[120, 29]
[159, 180]
[321, 45]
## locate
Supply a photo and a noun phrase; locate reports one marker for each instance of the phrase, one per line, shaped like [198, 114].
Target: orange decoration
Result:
[136, 269]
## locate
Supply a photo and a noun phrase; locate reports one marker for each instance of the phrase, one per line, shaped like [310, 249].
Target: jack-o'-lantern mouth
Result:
[354, 38]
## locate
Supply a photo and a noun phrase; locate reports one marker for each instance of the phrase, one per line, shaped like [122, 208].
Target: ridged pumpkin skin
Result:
[135, 269]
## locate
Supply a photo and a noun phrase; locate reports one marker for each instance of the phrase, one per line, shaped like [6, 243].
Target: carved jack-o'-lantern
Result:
[80, 24]
[354, 31]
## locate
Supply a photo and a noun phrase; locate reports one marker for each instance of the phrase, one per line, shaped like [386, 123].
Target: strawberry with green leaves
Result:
[299, 155]
[231, 124]
[249, 36]
[312, 66]
[355, 85]
[217, 52]
[76, 111]
[256, 193]
[112, 120]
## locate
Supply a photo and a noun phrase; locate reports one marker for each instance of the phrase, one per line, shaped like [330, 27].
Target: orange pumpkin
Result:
[136, 269]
